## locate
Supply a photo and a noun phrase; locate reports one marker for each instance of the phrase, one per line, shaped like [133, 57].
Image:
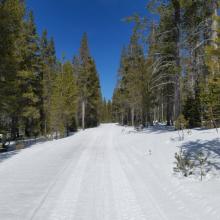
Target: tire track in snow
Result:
[87, 204]
[58, 206]
[154, 212]
[177, 193]
[153, 199]
[127, 207]
[172, 193]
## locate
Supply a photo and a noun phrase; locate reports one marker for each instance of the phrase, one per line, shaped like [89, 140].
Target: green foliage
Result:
[63, 101]
[203, 161]
[11, 21]
[192, 111]
[48, 73]
[187, 164]
[211, 88]
[162, 68]
[181, 123]
[37, 94]
[106, 111]
[128, 99]
[183, 164]
[88, 86]
[29, 81]
[145, 88]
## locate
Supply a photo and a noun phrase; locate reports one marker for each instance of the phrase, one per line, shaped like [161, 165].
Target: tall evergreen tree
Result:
[11, 22]
[106, 111]
[29, 80]
[89, 87]
[176, 72]
[211, 89]
[48, 72]
[63, 101]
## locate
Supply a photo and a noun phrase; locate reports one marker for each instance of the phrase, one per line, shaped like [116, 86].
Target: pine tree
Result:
[211, 90]
[120, 96]
[89, 87]
[196, 22]
[11, 22]
[106, 111]
[94, 97]
[83, 78]
[63, 101]
[117, 110]
[48, 72]
[29, 81]
[167, 48]
[39, 95]
[135, 78]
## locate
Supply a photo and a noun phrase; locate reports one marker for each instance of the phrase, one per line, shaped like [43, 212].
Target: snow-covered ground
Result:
[110, 173]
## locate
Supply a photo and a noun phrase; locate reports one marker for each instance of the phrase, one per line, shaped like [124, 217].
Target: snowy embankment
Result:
[110, 172]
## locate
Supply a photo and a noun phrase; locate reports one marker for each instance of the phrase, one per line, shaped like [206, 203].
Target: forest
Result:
[41, 95]
[168, 72]
[170, 69]
[98, 121]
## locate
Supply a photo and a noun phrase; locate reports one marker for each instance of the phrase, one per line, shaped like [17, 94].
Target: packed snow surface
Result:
[110, 173]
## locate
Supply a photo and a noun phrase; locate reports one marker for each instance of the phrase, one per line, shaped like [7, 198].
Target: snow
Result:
[110, 173]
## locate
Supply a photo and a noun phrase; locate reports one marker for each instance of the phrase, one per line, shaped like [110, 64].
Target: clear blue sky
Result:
[66, 20]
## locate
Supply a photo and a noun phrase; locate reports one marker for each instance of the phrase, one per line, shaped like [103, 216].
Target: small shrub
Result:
[183, 164]
[203, 161]
[180, 124]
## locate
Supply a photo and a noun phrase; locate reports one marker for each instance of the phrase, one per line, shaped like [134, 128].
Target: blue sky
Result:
[67, 20]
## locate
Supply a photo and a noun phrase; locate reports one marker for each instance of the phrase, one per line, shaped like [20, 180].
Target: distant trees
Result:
[131, 84]
[106, 111]
[169, 68]
[177, 73]
[40, 95]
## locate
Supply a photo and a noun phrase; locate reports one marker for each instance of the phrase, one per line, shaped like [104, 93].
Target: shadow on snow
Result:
[210, 148]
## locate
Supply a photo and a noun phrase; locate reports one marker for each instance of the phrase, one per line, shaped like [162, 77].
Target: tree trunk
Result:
[169, 111]
[14, 128]
[45, 127]
[122, 119]
[177, 96]
[83, 115]
[158, 113]
[132, 116]
[154, 114]
[214, 24]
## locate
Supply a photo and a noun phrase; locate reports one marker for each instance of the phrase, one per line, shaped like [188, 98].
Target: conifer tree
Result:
[39, 95]
[83, 78]
[48, 72]
[211, 90]
[89, 87]
[176, 72]
[11, 22]
[29, 81]
[94, 98]
[120, 96]
[63, 101]
[106, 111]
[135, 78]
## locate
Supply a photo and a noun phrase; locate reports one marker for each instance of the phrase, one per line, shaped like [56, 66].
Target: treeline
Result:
[171, 67]
[39, 94]
[106, 111]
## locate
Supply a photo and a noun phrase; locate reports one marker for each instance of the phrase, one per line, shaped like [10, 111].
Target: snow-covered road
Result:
[105, 173]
